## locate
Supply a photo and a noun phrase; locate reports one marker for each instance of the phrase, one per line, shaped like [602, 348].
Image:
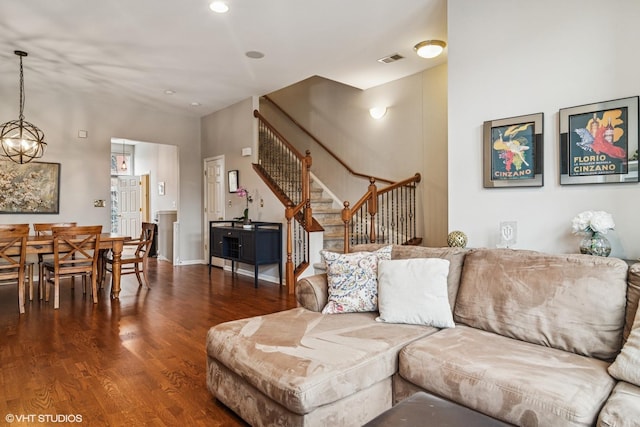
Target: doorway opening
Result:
[146, 189]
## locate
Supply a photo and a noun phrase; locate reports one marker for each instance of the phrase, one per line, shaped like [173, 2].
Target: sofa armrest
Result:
[312, 292]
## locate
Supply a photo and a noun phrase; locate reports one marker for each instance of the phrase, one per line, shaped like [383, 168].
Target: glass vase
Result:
[595, 244]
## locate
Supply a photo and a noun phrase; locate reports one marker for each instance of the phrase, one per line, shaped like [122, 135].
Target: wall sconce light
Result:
[377, 112]
[246, 151]
[430, 48]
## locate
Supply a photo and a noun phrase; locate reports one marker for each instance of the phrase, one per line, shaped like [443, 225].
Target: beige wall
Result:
[410, 138]
[225, 133]
[85, 163]
[435, 183]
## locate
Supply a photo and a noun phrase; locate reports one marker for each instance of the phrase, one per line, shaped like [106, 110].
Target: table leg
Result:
[116, 268]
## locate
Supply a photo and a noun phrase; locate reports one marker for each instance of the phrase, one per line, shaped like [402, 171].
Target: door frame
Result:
[205, 229]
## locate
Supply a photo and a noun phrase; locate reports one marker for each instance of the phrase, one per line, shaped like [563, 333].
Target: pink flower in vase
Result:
[242, 192]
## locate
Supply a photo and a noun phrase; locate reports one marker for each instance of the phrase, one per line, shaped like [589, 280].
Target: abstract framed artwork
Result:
[599, 142]
[31, 188]
[513, 152]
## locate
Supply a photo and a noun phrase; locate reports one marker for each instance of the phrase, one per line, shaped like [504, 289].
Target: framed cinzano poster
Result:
[512, 152]
[599, 142]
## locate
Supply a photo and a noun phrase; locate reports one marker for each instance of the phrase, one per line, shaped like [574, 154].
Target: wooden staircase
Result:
[329, 217]
[384, 215]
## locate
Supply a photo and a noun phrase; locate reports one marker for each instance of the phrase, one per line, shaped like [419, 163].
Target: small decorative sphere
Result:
[457, 239]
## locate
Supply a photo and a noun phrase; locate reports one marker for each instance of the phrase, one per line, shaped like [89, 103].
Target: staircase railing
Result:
[386, 215]
[286, 172]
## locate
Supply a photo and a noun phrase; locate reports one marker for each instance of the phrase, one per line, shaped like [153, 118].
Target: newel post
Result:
[289, 276]
[346, 218]
[372, 208]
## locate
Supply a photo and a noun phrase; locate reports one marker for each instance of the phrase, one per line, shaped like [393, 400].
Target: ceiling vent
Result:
[391, 58]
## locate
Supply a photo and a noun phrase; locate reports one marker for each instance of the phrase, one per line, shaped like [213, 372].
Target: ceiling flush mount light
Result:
[377, 112]
[430, 48]
[21, 141]
[219, 6]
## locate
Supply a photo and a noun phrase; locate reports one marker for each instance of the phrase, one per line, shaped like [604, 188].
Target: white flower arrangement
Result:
[592, 222]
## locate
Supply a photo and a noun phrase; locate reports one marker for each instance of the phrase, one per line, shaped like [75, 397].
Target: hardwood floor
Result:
[139, 360]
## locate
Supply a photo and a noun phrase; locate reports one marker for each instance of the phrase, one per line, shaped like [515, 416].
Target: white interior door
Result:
[129, 212]
[214, 199]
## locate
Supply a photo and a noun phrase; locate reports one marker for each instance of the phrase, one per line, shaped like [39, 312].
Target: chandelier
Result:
[21, 141]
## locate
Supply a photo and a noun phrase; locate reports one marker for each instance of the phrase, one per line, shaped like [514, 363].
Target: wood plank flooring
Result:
[139, 360]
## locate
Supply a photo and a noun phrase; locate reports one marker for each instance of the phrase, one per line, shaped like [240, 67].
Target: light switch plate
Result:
[508, 233]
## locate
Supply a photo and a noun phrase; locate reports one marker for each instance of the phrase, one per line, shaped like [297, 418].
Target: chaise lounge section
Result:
[534, 337]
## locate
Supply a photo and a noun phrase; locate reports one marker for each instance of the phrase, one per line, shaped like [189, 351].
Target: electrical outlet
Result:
[508, 233]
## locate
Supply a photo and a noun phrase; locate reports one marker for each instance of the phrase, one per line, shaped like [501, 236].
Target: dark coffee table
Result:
[423, 410]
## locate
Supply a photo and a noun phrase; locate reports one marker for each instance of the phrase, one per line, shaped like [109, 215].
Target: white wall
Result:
[161, 163]
[85, 163]
[509, 58]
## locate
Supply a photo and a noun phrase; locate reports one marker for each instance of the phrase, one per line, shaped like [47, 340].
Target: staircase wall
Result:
[394, 147]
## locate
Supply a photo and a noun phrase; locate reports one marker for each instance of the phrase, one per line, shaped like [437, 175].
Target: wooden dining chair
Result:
[136, 259]
[44, 229]
[75, 253]
[13, 255]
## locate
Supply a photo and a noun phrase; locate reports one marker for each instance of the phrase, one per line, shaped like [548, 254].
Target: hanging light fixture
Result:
[21, 141]
[123, 166]
[430, 48]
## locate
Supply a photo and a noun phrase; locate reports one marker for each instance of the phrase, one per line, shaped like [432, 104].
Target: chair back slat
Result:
[45, 228]
[146, 239]
[75, 249]
[13, 247]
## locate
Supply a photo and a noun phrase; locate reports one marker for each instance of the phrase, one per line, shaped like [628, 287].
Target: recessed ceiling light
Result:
[253, 54]
[219, 6]
[169, 92]
[195, 104]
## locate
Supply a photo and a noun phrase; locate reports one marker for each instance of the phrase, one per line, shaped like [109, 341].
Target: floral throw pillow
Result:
[353, 280]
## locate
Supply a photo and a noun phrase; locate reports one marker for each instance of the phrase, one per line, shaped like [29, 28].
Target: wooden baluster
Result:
[306, 188]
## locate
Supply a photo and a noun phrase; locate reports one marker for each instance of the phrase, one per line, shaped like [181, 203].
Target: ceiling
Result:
[137, 49]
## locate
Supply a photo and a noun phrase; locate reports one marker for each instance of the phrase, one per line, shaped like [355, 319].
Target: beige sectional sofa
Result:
[534, 339]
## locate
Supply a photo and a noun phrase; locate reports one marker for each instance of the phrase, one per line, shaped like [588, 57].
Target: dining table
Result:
[114, 242]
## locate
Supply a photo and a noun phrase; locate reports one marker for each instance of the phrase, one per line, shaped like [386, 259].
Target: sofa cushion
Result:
[626, 367]
[304, 359]
[622, 408]
[633, 295]
[414, 291]
[455, 256]
[570, 302]
[353, 280]
[515, 381]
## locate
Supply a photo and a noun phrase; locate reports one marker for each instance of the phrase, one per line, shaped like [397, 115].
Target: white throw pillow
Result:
[414, 291]
[353, 280]
[626, 367]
